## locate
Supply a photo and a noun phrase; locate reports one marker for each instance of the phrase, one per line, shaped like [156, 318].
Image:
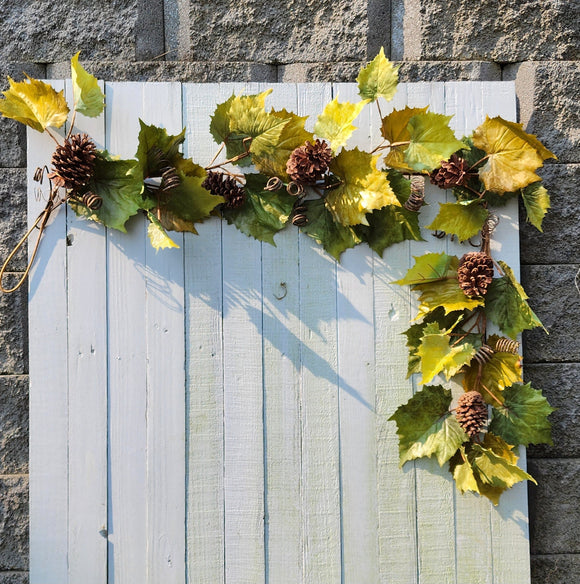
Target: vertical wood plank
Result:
[47, 314]
[356, 369]
[472, 513]
[435, 488]
[127, 360]
[282, 416]
[87, 370]
[164, 305]
[397, 520]
[320, 439]
[204, 359]
[510, 523]
[243, 405]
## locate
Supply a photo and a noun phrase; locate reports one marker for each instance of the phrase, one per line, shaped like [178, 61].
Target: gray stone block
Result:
[275, 32]
[13, 329]
[149, 30]
[556, 300]
[12, 215]
[14, 547]
[554, 510]
[548, 96]
[494, 30]
[13, 424]
[554, 569]
[199, 72]
[410, 71]
[14, 578]
[45, 31]
[558, 382]
[560, 241]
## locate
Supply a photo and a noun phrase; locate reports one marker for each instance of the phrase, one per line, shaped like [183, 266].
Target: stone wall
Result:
[535, 42]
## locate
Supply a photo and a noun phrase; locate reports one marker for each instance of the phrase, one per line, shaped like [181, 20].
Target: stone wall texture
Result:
[534, 42]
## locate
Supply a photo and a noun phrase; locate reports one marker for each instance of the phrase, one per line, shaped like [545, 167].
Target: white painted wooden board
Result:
[218, 413]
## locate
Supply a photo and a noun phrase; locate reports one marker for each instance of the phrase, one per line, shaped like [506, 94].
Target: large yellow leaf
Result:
[88, 97]
[513, 155]
[394, 130]
[363, 187]
[445, 293]
[378, 79]
[334, 124]
[35, 104]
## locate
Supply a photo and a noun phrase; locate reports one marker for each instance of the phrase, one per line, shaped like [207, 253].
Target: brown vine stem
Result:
[491, 393]
[217, 153]
[72, 123]
[52, 136]
[474, 165]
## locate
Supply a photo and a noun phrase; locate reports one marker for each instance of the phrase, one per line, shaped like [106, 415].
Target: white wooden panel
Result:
[127, 360]
[356, 369]
[472, 513]
[243, 403]
[510, 525]
[204, 366]
[319, 382]
[282, 415]
[164, 306]
[397, 517]
[47, 314]
[435, 488]
[87, 370]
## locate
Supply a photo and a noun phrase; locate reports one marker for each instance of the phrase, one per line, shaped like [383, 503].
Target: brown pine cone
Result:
[453, 172]
[475, 273]
[73, 162]
[218, 183]
[471, 412]
[308, 163]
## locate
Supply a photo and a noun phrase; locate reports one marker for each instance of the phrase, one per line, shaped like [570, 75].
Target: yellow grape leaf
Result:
[378, 79]
[439, 356]
[292, 136]
[334, 124]
[363, 187]
[501, 371]
[88, 97]
[430, 267]
[513, 155]
[157, 235]
[445, 293]
[35, 104]
[394, 129]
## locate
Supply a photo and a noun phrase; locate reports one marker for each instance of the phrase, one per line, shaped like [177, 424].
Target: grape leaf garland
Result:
[269, 172]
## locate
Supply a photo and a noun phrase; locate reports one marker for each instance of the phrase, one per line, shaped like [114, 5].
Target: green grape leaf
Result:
[439, 356]
[35, 104]
[400, 184]
[264, 213]
[464, 219]
[432, 140]
[462, 472]
[415, 333]
[395, 130]
[334, 237]
[243, 117]
[378, 79]
[513, 155]
[363, 187]
[537, 202]
[445, 293]
[187, 204]
[523, 417]
[426, 427]
[89, 100]
[293, 135]
[157, 235]
[388, 226]
[334, 124]
[430, 267]
[120, 184]
[501, 371]
[506, 306]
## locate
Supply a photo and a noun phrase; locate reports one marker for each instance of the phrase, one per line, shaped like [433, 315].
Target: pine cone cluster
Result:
[475, 273]
[453, 172]
[218, 183]
[74, 162]
[308, 163]
[471, 412]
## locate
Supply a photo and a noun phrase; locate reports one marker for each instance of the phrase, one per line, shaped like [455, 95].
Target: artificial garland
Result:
[275, 172]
